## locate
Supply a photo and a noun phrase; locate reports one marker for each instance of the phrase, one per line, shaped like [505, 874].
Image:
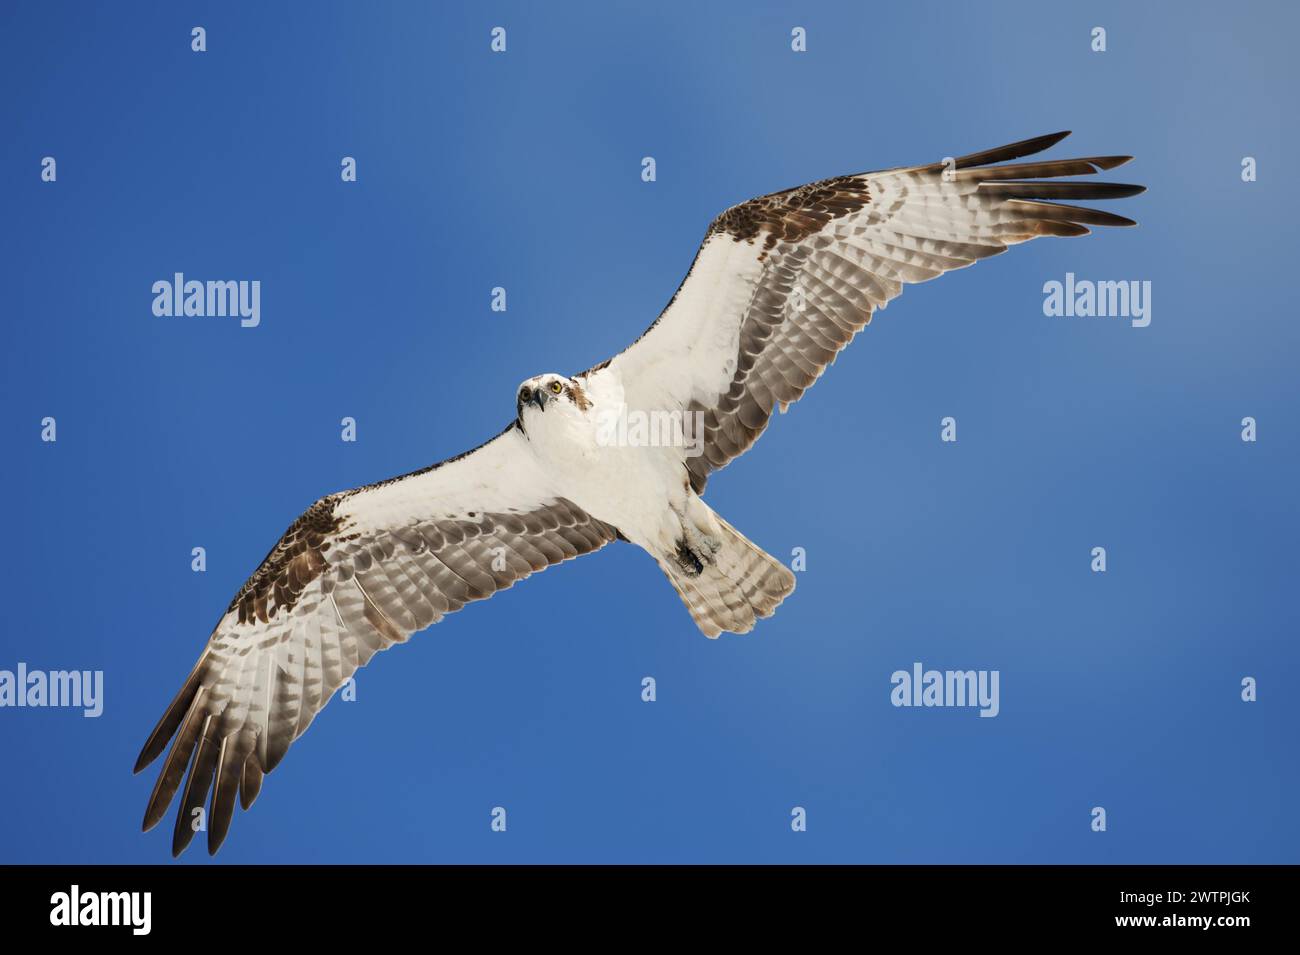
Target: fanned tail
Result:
[733, 587]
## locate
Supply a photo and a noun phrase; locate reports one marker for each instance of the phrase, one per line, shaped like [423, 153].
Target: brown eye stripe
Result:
[578, 396]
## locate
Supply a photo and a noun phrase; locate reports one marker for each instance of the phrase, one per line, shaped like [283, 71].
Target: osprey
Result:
[780, 284]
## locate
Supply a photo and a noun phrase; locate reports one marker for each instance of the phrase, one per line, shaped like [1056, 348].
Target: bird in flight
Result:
[780, 284]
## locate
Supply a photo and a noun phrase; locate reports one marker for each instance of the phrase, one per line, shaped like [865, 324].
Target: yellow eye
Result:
[556, 387]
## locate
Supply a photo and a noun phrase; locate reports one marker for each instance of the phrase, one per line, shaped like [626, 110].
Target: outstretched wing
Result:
[355, 574]
[783, 282]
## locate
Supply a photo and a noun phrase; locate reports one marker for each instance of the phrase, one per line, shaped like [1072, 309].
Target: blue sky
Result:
[522, 170]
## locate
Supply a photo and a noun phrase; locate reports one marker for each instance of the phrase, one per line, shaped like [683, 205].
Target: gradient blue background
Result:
[522, 170]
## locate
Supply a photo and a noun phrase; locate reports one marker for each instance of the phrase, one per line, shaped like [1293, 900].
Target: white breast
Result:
[607, 470]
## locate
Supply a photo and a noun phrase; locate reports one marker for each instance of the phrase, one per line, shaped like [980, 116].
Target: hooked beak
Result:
[539, 399]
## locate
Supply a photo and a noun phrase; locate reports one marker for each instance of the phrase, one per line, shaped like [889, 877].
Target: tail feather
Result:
[731, 589]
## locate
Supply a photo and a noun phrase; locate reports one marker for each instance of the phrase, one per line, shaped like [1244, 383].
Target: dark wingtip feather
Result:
[250, 783]
[196, 787]
[1042, 169]
[235, 750]
[171, 718]
[1025, 147]
[1061, 190]
[173, 769]
[1110, 162]
[1077, 214]
[1062, 229]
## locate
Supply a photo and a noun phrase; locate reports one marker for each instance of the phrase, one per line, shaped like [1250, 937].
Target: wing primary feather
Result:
[1062, 190]
[172, 717]
[1075, 214]
[1025, 147]
[1046, 168]
[250, 783]
[173, 770]
[218, 822]
[196, 787]
[230, 768]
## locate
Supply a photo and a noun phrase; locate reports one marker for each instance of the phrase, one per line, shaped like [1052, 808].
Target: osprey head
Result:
[551, 394]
